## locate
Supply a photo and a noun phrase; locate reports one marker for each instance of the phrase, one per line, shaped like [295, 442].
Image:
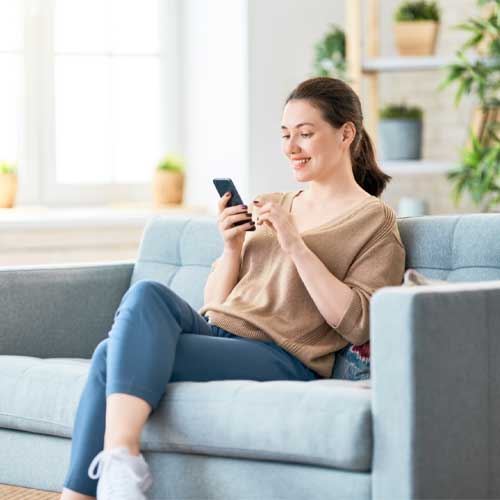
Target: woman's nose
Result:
[292, 146]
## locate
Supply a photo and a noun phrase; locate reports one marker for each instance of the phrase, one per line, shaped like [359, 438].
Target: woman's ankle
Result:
[118, 441]
[68, 494]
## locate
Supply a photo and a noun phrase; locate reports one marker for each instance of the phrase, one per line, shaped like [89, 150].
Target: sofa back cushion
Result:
[453, 247]
[179, 251]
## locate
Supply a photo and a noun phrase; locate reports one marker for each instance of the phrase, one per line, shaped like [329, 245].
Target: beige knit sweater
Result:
[362, 247]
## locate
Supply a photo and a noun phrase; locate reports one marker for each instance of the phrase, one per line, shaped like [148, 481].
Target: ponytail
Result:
[366, 171]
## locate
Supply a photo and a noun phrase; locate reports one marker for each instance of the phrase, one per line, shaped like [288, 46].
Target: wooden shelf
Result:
[412, 63]
[390, 64]
[416, 167]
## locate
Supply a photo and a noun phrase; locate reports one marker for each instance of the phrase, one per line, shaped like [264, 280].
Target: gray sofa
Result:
[428, 427]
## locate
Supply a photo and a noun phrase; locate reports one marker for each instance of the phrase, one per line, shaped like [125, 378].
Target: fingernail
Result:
[244, 206]
[227, 194]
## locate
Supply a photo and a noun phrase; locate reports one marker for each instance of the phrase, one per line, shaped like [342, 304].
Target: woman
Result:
[279, 301]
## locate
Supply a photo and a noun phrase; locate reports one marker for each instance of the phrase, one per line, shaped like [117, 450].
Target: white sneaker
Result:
[122, 476]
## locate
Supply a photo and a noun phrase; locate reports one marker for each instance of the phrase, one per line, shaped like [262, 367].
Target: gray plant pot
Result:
[400, 139]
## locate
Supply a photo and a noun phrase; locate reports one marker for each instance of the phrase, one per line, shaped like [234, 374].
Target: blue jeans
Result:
[156, 338]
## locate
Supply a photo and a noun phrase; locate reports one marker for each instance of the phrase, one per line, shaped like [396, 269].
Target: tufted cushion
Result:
[179, 252]
[323, 423]
[455, 248]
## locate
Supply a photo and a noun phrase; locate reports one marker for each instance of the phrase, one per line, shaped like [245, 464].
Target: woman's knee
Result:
[149, 290]
[151, 293]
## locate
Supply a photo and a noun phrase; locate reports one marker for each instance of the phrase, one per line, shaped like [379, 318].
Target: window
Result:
[11, 49]
[95, 97]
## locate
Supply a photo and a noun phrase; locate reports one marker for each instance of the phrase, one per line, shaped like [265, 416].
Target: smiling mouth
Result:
[300, 163]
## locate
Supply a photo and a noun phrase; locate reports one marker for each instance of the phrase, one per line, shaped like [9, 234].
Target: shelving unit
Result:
[368, 66]
[416, 167]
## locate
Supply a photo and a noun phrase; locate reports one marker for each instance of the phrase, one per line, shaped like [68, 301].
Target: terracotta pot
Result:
[168, 187]
[8, 190]
[416, 38]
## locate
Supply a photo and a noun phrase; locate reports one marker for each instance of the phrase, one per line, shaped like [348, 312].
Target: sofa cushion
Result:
[323, 422]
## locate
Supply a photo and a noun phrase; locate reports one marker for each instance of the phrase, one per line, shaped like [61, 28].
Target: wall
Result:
[282, 34]
[214, 96]
[242, 58]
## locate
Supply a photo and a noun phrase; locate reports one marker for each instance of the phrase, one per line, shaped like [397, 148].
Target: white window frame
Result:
[37, 173]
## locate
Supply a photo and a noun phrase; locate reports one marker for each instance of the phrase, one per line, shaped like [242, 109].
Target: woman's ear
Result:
[348, 132]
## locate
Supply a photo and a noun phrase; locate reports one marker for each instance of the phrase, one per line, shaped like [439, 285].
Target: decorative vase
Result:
[8, 189]
[168, 187]
[400, 139]
[416, 38]
[412, 207]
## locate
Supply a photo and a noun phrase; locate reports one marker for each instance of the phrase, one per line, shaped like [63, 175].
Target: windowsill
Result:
[35, 216]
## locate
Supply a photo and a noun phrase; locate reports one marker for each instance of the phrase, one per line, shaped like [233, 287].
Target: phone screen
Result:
[225, 184]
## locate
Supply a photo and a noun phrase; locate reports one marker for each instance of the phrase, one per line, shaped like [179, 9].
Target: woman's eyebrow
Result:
[299, 125]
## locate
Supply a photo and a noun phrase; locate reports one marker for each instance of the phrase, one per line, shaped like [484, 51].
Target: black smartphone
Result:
[225, 184]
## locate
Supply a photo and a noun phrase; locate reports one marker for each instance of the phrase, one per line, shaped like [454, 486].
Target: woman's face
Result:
[306, 136]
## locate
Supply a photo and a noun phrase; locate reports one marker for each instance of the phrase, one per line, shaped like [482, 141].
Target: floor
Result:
[14, 493]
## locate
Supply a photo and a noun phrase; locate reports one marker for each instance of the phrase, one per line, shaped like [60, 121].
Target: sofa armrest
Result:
[59, 310]
[436, 391]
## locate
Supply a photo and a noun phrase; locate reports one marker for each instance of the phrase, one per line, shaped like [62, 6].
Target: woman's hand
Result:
[278, 219]
[233, 236]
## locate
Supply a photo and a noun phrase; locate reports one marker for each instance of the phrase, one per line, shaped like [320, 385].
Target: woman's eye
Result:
[303, 135]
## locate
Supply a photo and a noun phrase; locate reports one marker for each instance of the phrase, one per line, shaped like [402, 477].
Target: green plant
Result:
[417, 11]
[479, 174]
[479, 169]
[171, 162]
[7, 168]
[400, 111]
[330, 54]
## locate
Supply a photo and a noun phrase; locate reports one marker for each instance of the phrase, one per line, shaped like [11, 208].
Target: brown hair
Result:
[339, 104]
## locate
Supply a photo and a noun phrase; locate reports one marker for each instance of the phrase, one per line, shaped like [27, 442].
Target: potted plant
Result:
[330, 54]
[400, 132]
[168, 182]
[479, 169]
[8, 184]
[416, 27]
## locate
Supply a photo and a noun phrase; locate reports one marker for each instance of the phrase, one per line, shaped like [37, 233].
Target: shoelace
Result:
[122, 482]
[97, 461]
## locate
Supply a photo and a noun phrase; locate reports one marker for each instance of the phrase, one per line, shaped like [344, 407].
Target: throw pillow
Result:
[414, 278]
[352, 362]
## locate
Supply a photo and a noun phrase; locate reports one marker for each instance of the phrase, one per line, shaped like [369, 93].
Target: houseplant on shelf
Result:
[330, 54]
[400, 132]
[8, 184]
[479, 168]
[416, 27]
[168, 181]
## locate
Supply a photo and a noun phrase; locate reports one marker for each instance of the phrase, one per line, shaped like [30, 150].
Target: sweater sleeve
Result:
[381, 264]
